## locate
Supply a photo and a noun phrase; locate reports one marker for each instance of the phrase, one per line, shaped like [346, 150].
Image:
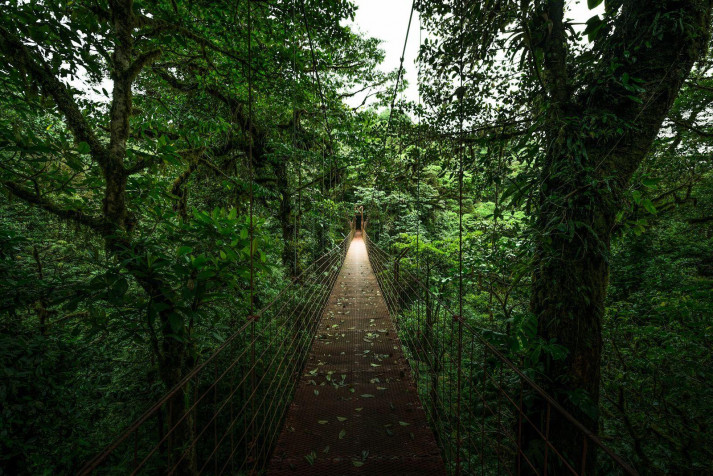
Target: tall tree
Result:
[125, 163]
[598, 132]
[594, 103]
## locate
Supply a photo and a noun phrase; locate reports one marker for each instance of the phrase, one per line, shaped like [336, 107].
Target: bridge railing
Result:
[226, 414]
[488, 416]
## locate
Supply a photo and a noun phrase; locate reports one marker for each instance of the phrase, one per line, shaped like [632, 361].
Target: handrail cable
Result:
[477, 333]
[131, 429]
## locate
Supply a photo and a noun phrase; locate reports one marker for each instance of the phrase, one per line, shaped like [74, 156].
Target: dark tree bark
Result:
[583, 179]
[285, 214]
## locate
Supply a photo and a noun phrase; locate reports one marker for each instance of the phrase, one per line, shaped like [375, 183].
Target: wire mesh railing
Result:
[226, 414]
[488, 416]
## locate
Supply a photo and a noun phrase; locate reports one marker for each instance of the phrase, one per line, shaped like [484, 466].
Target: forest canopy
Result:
[168, 167]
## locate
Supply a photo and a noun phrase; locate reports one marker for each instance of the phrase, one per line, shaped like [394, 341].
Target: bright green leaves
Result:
[649, 206]
[646, 203]
[234, 232]
[83, 148]
[167, 151]
[650, 182]
[641, 209]
[227, 259]
[594, 25]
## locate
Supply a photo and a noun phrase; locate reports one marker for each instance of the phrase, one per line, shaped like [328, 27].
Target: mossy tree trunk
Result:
[584, 175]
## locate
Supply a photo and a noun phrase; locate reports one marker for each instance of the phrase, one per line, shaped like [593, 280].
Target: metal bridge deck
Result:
[356, 409]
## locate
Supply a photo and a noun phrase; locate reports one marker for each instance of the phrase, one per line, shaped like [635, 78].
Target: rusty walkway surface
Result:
[356, 409]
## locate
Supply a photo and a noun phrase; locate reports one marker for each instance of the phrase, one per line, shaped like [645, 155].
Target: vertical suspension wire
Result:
[323, 103]
[324, 195]
[251, 228]
[296, 221]
[460, 241]
[251, 172]
[393, 101]
[243, 419]
[494, 236]
[419, 149]
[332, 187]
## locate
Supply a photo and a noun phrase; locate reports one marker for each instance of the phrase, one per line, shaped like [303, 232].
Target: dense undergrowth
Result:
[129, 224]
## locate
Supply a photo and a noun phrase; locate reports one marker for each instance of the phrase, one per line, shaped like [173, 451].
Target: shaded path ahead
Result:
[356, 410]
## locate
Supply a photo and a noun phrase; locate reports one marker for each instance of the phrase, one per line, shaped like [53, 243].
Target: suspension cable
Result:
[323, 105]
[316, 73]
[401, 67]
[396, 88]
[477, 335]
[460, 239]
[252, 210]
[419, 150]
[251, 172]
[296, 219]
[419, 165]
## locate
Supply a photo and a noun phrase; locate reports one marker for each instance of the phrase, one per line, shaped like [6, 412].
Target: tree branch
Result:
[161, 26]
[141, 61]
[41, 202]
[692, 128]
[32, 63]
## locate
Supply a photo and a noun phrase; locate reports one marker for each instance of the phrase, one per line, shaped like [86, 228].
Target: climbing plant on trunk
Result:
[593, 101]
[596, 138]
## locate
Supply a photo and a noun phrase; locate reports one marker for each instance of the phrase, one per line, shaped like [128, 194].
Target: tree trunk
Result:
[181, 441]
[583, 180]
[285, 215]
[569, 287]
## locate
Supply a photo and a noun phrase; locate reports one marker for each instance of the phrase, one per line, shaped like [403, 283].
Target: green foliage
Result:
[239, 164]
[119, 243]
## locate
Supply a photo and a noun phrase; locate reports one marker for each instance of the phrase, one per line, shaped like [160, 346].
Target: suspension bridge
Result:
[356, 367]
